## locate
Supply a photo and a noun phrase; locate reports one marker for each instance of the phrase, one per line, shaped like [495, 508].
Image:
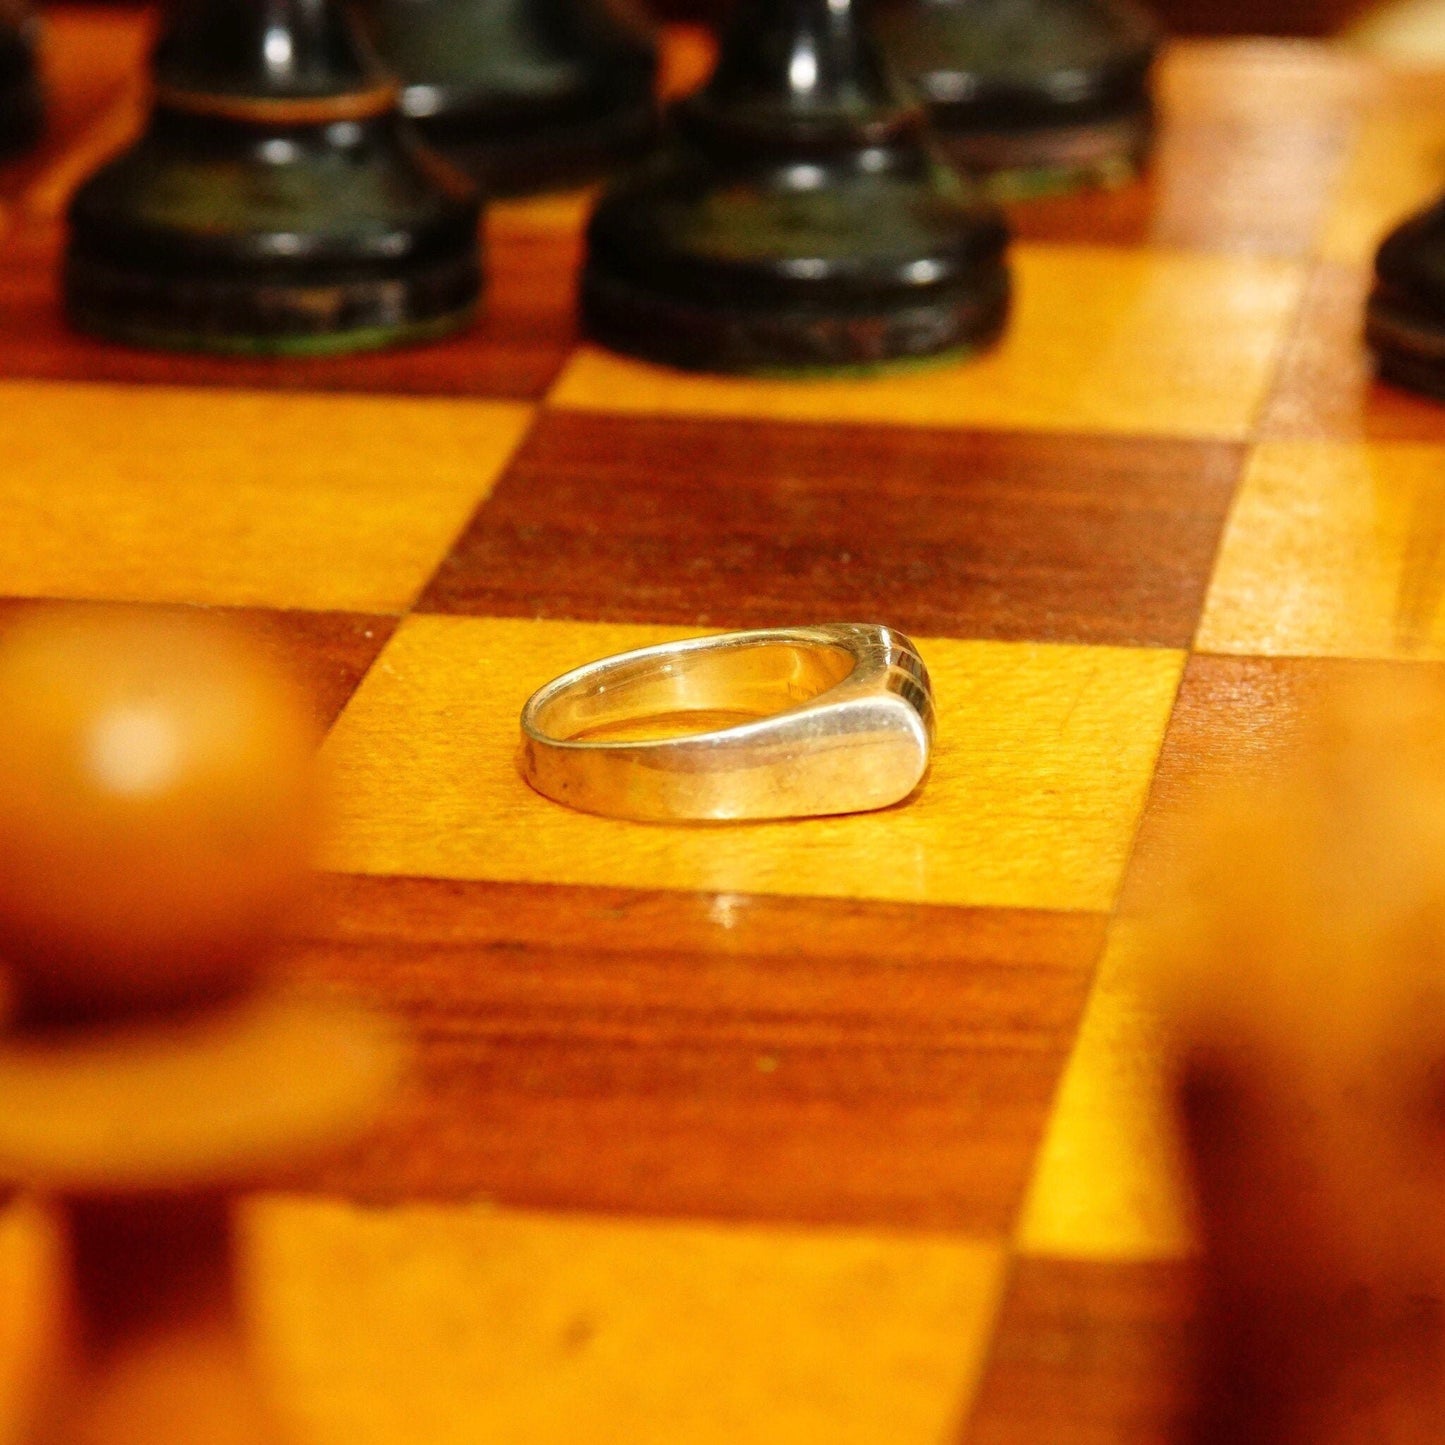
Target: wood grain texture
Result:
[740, 524]
[246, 499]
[1109, 1181]
[514, 349]
[1235, 718]
[1393, 166]
[562, 1328]
[1251, 140]
[1101, 339]
[1333, 549]
[1326, 388]
[1088, 1354]
[1042, 758]
[776, 1057]
[736, 1056]
[621, 1333]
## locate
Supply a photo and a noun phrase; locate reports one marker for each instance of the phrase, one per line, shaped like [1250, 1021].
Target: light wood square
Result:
[1044, 754]
[1108, 1181]
[1333, 550]
[269, 499]
[1393, 168]
[462, 1324]
[1102, 339]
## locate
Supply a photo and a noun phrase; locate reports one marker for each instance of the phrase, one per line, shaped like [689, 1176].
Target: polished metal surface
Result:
[777, 723]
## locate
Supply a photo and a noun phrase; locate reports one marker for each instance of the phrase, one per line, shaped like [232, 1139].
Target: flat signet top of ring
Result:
[696, 693]
[773, 723]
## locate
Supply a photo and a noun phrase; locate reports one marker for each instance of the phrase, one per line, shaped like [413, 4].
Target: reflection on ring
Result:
[774, 723]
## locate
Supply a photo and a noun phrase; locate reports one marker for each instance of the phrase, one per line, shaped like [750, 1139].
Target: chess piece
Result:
[526, 95]
[20, 102]
[794, 216]
[1038, 95]
[1300, 966]
[277, 201]
[1405, 316]
[155, 809]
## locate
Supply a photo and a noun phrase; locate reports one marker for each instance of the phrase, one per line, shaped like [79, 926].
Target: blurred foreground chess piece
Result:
[277, 201]
[1302, 965]
[156, 796]
[1038, 95]
[20, 102]
[1405, 316]
[526, 95]
[794, 216]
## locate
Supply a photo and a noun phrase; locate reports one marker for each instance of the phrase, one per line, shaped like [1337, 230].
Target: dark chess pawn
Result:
[20, 100]
[794, 216]
[1039, 95]
[1405, 316]
[525, 95]
[277, 202]
[1300, 969]
[156, 792]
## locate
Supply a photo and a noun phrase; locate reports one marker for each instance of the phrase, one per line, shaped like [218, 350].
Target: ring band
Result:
[818, 720]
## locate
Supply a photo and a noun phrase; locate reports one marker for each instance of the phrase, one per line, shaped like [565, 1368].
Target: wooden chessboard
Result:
[835, 1130]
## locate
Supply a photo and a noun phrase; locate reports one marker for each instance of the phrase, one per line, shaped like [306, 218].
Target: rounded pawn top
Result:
[156, 810]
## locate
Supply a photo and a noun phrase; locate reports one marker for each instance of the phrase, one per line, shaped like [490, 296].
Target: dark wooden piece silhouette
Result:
[526, 95]
[794, 216]
[277, 201]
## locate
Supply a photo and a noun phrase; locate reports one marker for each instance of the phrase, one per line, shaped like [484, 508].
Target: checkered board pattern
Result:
[838, 1130]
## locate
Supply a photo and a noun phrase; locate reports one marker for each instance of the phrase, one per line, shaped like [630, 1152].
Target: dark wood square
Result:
[515, 348]
[680, 1054]
[1048, 538]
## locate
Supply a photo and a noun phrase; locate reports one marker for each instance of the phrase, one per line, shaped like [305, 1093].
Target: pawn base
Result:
[696, 336]
[1049, 159]
[268, 315]
[1032, 96]
[518, 160]
[1409, 344]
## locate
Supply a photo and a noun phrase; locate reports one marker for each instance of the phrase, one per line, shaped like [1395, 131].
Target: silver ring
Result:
[788, 722]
